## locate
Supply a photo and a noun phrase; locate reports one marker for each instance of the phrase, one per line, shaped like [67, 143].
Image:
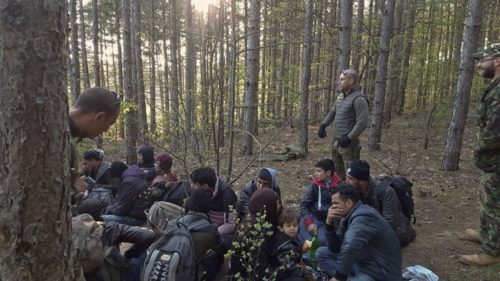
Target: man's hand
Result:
[312, 228]
[344, 141]
[333, 213]
[322, 131]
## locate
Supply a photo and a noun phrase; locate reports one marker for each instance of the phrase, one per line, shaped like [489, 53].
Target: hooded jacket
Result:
[223, 200]
[132, 183]
[364, 237]
[317, 200]
[250, 188]
[148, 162]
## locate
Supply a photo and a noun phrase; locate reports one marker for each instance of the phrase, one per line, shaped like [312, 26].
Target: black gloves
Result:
[345, 141]
[322, 131]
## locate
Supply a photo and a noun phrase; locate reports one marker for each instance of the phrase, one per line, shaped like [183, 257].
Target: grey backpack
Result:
[172, 257]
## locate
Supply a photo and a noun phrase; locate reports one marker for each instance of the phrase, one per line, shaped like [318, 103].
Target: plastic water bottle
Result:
[312, 254]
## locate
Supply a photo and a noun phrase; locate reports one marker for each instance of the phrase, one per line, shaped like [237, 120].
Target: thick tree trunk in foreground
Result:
[466, 74]
[34, 198]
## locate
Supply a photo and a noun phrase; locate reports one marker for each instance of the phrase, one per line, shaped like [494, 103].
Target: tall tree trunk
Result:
[317, 84]
[131, 115]
[383, 57]
[451, 157]
[85, 63]
[394, 64]
[190, 67]
[283, 82]
[166, 112]
[35, 230]
[232, 86]
[306, 77]
[120, 65]
[330, 78]
[174, 64]
[358, 48]
[345, 35]
[252, 79]
[408, 45]
[222, 90]
[263, 65]
[140, 94]
[152, 85]
[95, 40]
[75, 58]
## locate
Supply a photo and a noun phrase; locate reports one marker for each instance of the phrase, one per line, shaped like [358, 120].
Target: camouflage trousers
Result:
[343, 156]
[490, 213]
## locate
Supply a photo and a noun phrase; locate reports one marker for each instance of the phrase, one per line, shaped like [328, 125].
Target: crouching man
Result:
[365, 248]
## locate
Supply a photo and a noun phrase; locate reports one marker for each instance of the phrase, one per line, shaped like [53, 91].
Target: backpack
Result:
[161, 213]
[152, 193]
[87, 242]
[101, 194]
[403, 188]
[173, 256]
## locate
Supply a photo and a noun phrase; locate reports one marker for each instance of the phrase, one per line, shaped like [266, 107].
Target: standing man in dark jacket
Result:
[350, 118]
[123, 209]
[266, 178]
[382, 198]
[487, 158]
[364, 247]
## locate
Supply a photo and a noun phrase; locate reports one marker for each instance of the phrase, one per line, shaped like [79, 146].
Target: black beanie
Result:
[264, 174]
[117, 169]
[359, 169]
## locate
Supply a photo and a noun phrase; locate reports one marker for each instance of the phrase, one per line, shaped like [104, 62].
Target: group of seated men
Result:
[358, 222]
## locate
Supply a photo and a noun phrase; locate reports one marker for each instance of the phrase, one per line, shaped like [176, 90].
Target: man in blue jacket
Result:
[365, 248]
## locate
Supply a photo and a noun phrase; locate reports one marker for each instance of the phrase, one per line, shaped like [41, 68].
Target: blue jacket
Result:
[364, 237]
[249, 189]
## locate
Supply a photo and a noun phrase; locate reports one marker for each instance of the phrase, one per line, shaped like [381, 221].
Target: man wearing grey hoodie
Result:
[266, 178]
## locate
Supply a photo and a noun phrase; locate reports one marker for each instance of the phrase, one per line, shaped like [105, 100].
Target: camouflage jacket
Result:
[487, 152]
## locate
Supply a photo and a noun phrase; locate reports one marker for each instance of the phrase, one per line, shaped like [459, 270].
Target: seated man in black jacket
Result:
[266, 178]
[124, 209]
[364, 247]
[93, 166]
[382, 198]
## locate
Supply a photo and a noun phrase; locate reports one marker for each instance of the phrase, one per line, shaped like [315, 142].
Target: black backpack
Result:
[402, 186]
[173, 257]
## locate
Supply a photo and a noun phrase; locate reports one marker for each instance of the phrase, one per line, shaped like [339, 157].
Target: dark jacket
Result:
[317, 192]
[205, 237]
[115, 233]
[286, 252]
[133, 182]
[178, 193]
[365, 238]
[249, 189]
[101, 174]
[385, 200]
[220, 213]
[148, 162]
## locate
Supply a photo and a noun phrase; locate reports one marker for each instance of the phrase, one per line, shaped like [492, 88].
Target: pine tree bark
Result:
[166, 112]
[152, 62]
[190, 67]
[251, 79]
[35, 229]
[451, 157]
[120, 64]
[95, 40]
[345, 34]
[85, 63]
[306, 77]
[383, 57]
[221, 77]
[139, 71]
[174, 65]
[358, 48]
[232, 90]
[75, 58]
[131, 115]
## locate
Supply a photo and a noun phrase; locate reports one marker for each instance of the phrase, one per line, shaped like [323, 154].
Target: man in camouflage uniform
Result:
[487, 158]
[350, 118]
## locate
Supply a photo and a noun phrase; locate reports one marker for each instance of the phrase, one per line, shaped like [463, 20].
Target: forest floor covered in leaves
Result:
[446, 202]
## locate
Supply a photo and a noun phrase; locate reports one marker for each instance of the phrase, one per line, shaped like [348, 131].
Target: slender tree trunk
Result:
[222, 90]
[383, 57]
[174, 43]
[131, 115]
[358, 46]
[283, 82]
[152, 85]
[330, 78]
[306, 77]
[451, 157]
[190, 67]
[120, 65]
[75, 58]
[252, 79]
[95, 40]
[317, 84]
[140, 94]
[263, 65]
[166, 112]
[85, 64]
[232, 90]
[345, 35]
[34, 205]
[394, 64]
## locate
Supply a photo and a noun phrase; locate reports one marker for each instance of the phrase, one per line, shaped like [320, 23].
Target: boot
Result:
[471, 235]
[480, 259]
